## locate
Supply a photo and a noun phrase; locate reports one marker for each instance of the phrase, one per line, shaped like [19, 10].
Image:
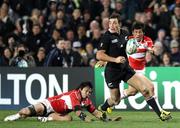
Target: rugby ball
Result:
[131, 46]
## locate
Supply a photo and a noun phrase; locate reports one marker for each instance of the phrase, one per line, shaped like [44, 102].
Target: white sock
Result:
[16, 116]
[12, 117]
[50, 118]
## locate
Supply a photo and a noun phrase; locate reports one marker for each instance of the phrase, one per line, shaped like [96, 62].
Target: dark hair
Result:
[137, 25]
[115, 16]
[168, 54]
[85, 84]
[21, 45]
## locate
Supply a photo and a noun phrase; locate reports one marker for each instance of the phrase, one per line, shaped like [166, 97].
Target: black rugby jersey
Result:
[114, 45]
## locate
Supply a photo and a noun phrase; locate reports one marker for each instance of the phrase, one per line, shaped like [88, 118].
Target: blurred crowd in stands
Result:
[66, 33]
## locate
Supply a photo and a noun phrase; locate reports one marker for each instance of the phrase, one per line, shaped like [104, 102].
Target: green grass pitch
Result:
[130, 119]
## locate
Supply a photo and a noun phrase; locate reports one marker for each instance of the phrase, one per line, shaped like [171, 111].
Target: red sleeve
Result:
[89, 105]
[148, 42]
[130, 37]
[75, 100]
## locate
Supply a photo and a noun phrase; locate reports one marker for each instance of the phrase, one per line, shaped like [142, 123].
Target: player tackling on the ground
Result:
[58, 107]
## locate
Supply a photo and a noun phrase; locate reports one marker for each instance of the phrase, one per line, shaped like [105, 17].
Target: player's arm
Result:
[79, 113]
[83, 116]
[103, 48]
[100, 115]
[150, 49]
[150, 45]
[101, 55]
[143, 48]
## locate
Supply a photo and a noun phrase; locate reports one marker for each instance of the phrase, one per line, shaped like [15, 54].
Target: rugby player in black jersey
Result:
[112, 50]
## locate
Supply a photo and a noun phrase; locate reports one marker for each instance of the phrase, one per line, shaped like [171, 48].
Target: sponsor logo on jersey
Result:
[126, 38]
[110, 85]
[114, 41]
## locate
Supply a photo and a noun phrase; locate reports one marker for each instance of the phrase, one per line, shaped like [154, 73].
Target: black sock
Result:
[151, 102]
[105, 106]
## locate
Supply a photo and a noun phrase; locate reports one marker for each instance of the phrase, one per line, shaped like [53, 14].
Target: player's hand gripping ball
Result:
[131, 46]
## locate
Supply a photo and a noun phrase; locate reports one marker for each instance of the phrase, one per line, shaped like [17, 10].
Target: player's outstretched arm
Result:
[83, 116]
[100, 115]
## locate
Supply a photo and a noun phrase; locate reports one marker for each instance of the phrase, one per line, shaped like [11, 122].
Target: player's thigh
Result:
[131, 90]
[148, 83]
[39, 108]
[136, 81]
[32, 110]
[60, 117]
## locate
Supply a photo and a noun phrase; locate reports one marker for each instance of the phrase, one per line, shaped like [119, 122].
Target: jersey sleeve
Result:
[89, 105]
[76, 105]
[104, 42]
[150, 43]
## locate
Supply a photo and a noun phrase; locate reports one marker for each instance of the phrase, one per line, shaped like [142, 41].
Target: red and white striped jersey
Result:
[137, 60]
[67, 102]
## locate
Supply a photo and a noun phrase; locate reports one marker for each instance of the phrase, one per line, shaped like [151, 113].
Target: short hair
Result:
[85, 84]
[115, 16]
[60, 41]
[137, 25]
[41, 49]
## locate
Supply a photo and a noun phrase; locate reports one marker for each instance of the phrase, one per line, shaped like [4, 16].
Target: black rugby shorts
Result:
[113, 76]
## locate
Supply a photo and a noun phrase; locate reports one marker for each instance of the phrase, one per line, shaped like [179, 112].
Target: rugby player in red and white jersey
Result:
[137, 60]
[58, 107]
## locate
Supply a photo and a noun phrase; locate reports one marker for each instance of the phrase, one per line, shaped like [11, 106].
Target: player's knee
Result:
[24, 112]
[31, 110]
[145, 92]
[152, 88]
